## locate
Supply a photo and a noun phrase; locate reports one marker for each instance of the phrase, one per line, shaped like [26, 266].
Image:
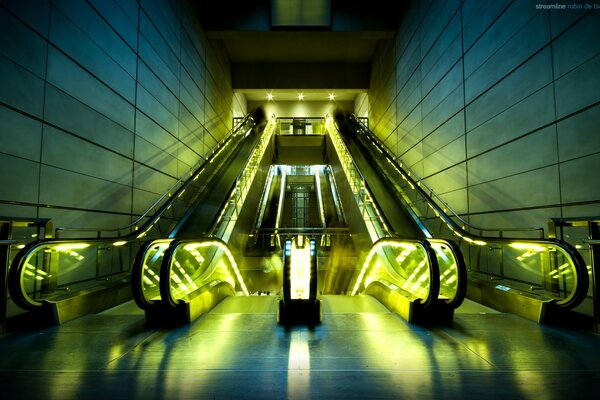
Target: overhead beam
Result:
[345, 15]
[300, 75]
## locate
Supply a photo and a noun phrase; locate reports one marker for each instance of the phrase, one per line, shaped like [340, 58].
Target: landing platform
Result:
[361, 351]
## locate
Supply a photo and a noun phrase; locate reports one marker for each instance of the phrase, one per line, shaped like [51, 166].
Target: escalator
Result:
[178, 278]
[269, 218]
[403, 266]
[376, 232]
[61, 279]
[534, 277]
[399, 219]
[200, 218]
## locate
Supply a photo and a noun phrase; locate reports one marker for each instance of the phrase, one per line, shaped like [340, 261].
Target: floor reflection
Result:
[298, 376]
[360, 351]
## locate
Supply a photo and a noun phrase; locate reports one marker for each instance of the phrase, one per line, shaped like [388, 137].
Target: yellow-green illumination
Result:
[407, 248]
[300, 271]
[223, 247]
[71, 246]
[527, 246]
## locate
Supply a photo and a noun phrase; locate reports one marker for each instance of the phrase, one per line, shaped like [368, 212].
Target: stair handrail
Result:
[19, 262]
[421, 186]
[580, 269]
[170, 194]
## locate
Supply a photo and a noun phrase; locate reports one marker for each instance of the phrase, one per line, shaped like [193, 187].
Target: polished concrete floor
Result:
[361, 351]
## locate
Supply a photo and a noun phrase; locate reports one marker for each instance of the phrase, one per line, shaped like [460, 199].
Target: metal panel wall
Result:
[104, 104]
[496, 104]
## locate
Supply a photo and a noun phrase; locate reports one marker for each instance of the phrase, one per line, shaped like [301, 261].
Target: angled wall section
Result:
[496, 105]
[104, 104]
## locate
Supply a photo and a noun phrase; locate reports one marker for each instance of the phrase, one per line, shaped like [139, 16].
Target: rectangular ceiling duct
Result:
[300, 13]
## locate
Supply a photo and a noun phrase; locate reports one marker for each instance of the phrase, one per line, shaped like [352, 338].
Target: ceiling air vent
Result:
[300, 13]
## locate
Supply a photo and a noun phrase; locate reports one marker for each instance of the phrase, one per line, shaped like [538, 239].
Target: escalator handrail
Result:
[226, 198]
[17, 267]
[170, 193]
[214, 223]
[434, 268]
[581, 278]
[420, 184]
[461, 272]
[16, 287]
[137, 276]
[138, 266]
[166, 266]
[165, 274]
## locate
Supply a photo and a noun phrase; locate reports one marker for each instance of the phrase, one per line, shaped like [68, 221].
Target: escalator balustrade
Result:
[64, 278]
[508, 269]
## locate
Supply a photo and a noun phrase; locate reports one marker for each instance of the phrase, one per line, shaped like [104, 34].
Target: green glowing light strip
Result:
[374, 222]
[228, 217]
[375, 250]
[223, 247]
[320, 198]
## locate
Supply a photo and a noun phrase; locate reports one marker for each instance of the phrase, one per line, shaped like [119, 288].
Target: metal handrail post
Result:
[594, 235]
[5, 233]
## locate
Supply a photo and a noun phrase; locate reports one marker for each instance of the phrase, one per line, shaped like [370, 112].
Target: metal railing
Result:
[159, 273]
[300, 126]
[543, 268]
[156, 209]
[53, 269]
[444, 206]
[446, 267]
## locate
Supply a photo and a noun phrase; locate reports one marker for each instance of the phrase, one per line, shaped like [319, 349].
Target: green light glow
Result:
[187, 281]
[300, 270]
[527, 246]
[228, 217]
[70, 246]
[400, 269]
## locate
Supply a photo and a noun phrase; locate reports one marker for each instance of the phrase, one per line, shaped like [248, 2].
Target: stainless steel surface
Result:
[201, 220]
[360, 351]
[508, 300]
[399, 218]
[300, 150]
[497, 257]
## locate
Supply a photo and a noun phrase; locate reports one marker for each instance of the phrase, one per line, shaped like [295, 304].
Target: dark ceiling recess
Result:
[344, 15]
[300, 13]
[300, 43]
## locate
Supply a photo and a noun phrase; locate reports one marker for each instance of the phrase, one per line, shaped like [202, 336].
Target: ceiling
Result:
[308, 94]
[300, 46]
[285, 47]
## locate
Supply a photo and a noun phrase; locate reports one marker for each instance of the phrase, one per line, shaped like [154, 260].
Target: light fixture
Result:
[300, 96]
[70, 246]
[527, 246]
[331, 97]
[269, 96]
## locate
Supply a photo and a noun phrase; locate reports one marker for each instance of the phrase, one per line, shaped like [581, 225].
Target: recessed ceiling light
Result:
[300, 96]
[331, 96]
[269, 96]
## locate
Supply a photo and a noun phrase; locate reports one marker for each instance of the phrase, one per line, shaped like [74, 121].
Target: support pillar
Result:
[594, 235]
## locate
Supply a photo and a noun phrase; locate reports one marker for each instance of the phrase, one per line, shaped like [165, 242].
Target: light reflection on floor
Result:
[298, 381]
[237, 351]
